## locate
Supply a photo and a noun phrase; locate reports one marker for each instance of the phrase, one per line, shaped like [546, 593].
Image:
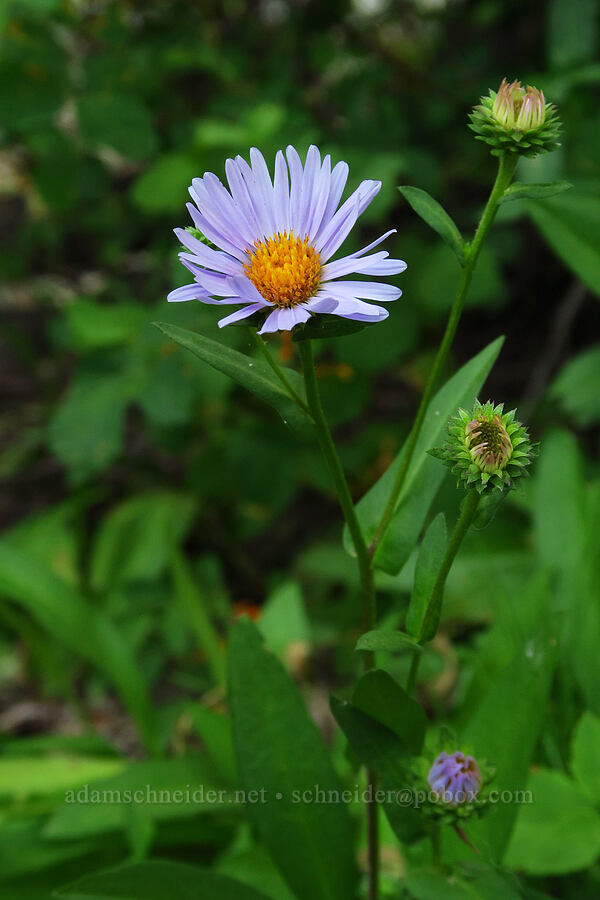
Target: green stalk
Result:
[434, 607]
[369, 609]
[277, 369]
[506, 169]
[340, 483]
[200, 621]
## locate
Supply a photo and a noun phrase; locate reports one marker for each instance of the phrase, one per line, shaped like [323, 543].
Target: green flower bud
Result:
[487, 448]
[516, 119]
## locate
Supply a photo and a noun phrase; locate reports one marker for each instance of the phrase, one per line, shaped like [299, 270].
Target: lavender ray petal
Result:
[296, 175]
[339, 177]
[366, 290]
[320, 195]
[239, 314]
[281, 194]
[206, 256]
[187, 292]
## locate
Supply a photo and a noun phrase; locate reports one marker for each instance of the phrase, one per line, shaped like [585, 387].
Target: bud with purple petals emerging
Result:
[455, 778]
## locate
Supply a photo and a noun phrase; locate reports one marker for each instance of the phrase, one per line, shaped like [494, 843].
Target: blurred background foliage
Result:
[146, 501]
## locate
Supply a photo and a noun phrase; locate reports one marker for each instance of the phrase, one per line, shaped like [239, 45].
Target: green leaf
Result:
[436, 217]
[86, 431]
[558, 831]
[214, 730]
[383, 751]
[23, 851]
[471, 881]
[505, 732]
[281, 754]
[283, 619]
[135, 540]
[326, 326]
[34, 776]
[533, 191]
[196, 609]
[559, 504]
[425, 474]
[429, 560]
[70, 620]
[117, 121]
[389, 641]
[253, 374]
[252, 864]
[586, 756]
[105, 805]
[571, 225]
[163, 187]
[567, 520]
[577, 387]
[92, 325]
[156, 879]
[379, 696]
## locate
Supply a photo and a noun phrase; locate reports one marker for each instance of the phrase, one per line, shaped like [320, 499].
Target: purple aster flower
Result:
[455, 778]
[275, 240]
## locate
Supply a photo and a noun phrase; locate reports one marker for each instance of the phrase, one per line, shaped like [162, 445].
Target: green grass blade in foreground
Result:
[195, 608]
[161, 787]
[69, 619]
[425, 473]
[253, 374]
[279, 750]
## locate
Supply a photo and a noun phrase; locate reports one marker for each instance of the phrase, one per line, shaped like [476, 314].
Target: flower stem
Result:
[434, 606]
[506, 169]
[341, 485]
[295, 396]
[369, 609]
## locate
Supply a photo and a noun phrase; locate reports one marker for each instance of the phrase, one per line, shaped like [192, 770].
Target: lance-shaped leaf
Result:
[425, 474]
[429, 560]
[436, 217]
[505, 732]
[388, 641]
[384, 752]
[252, 374]
[283, 759]
[156, 879]
[571, 225]
[534, 191]
[378, 695]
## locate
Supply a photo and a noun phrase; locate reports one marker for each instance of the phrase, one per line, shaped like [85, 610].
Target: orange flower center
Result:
[284, 269]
